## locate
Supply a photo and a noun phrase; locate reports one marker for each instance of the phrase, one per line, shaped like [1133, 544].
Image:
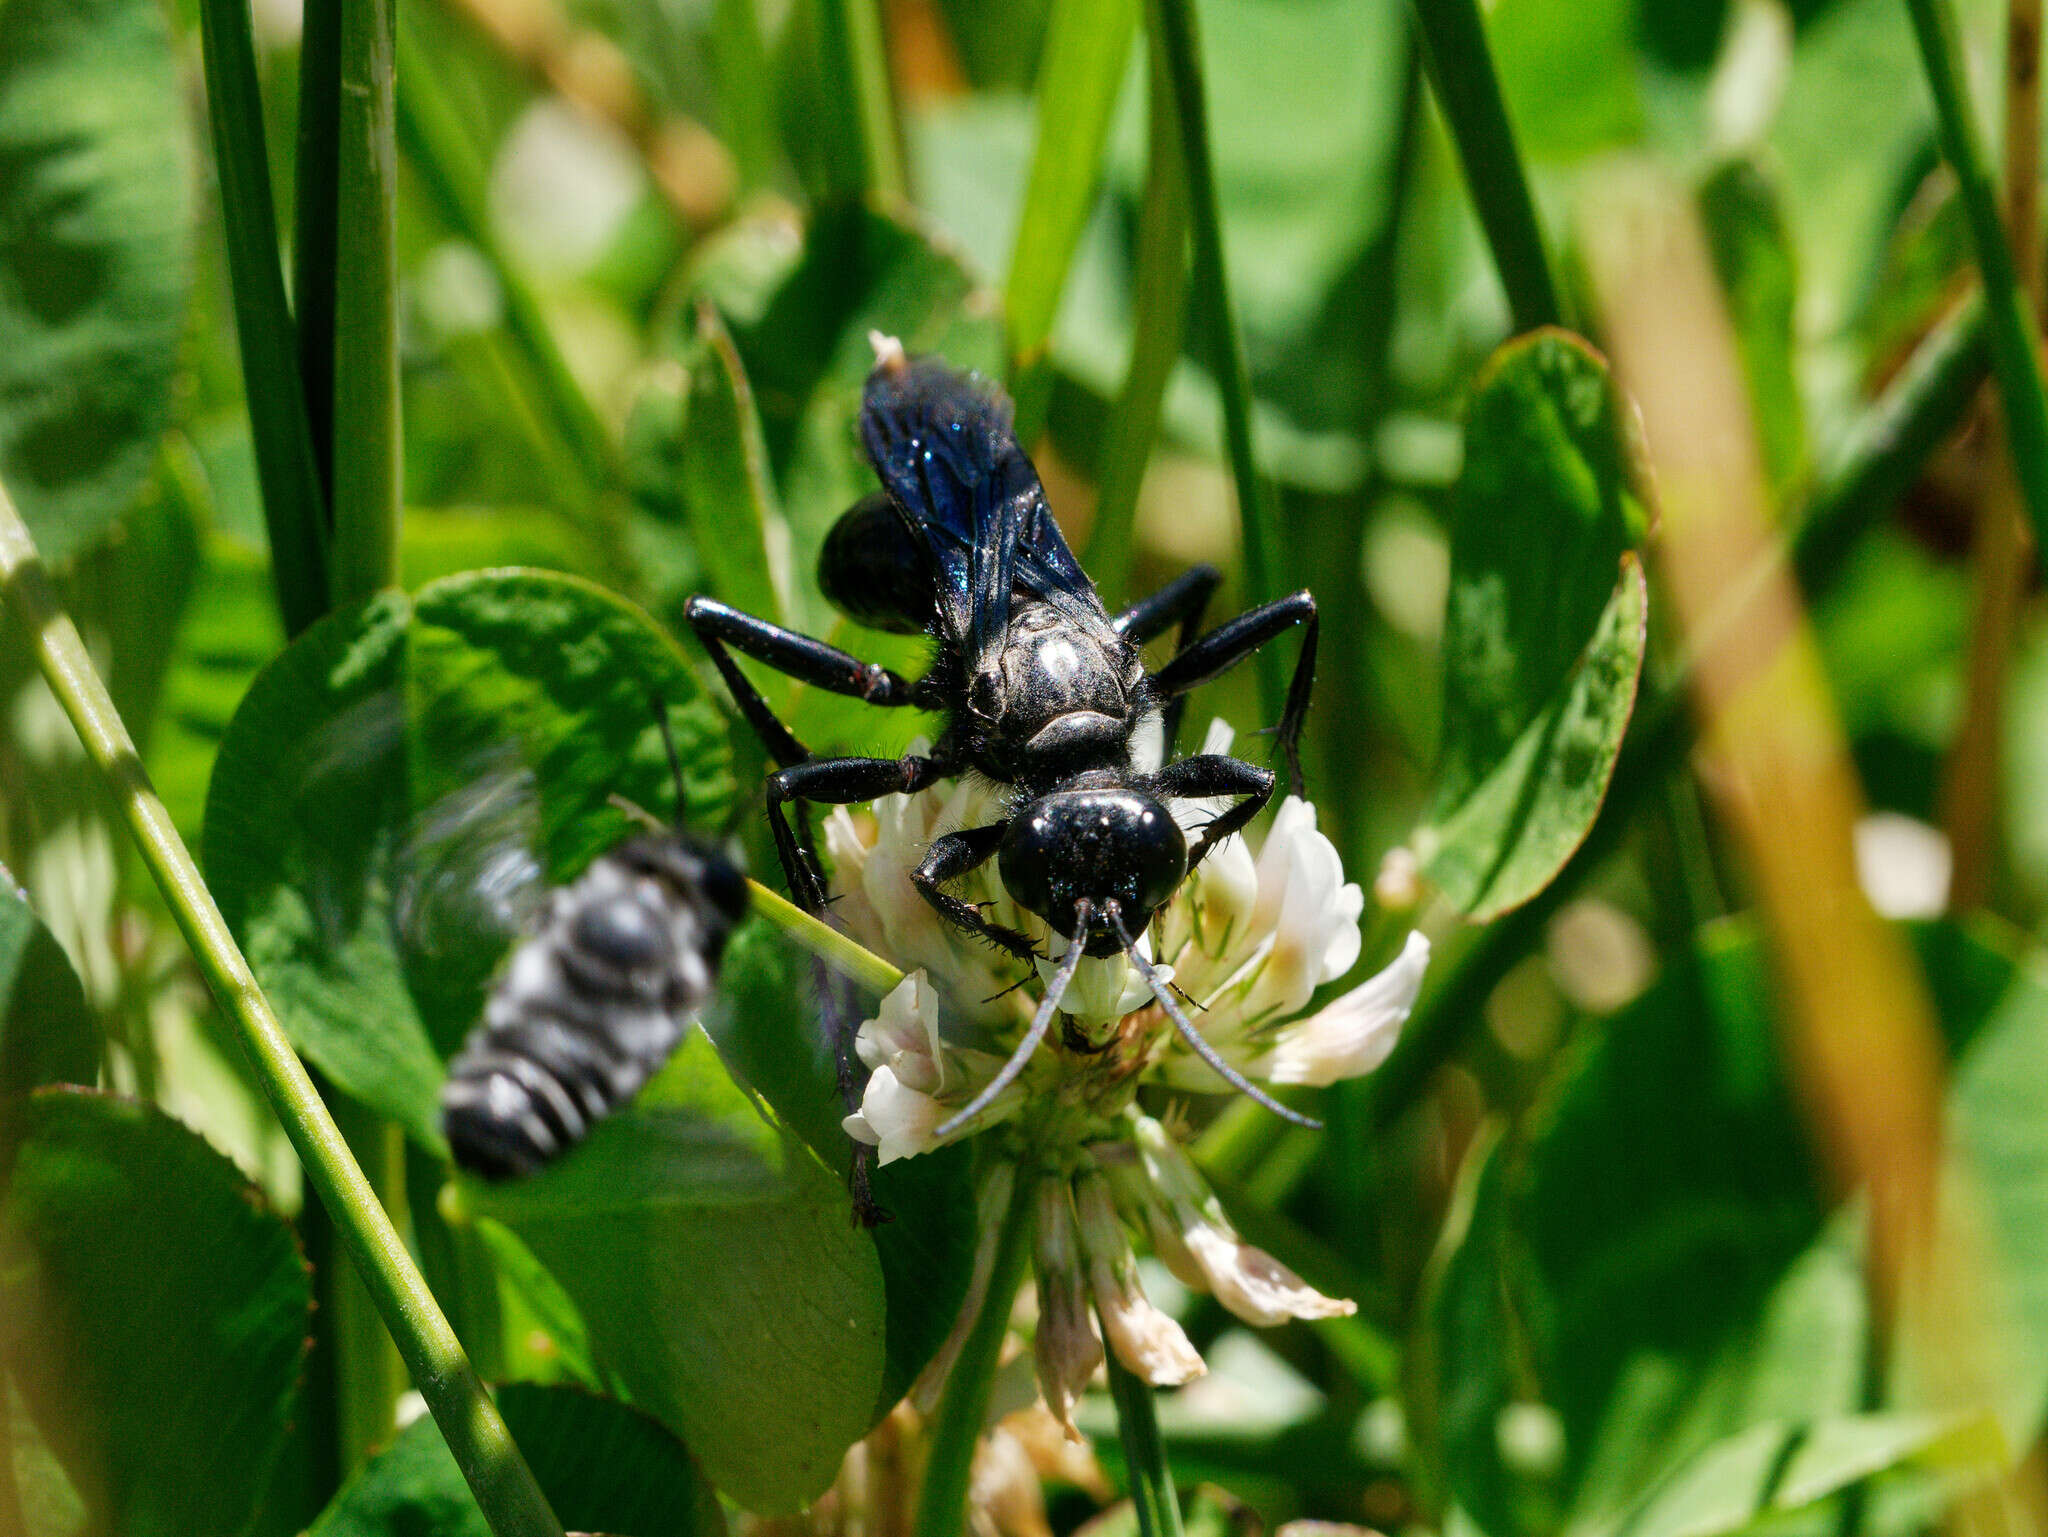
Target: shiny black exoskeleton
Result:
[1040, 687]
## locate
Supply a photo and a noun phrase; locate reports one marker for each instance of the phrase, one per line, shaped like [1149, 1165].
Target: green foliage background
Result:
[1607, 1281]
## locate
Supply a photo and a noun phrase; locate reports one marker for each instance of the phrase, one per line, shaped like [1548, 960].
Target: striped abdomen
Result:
[592, 1004]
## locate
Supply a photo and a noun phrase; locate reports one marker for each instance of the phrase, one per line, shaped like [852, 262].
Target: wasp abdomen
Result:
[592, 1005]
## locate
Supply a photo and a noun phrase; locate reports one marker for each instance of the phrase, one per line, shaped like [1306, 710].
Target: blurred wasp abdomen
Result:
[591, 1004]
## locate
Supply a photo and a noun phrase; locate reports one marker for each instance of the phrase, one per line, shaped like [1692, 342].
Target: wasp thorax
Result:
[1106, 845]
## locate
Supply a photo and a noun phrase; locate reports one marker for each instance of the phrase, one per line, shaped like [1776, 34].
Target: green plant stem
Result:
[294, 508]
[367, 477]
[1173, 25]
[956, 1430]
[1468, 89]
[1137, 1426]
[439, 149]
[498, 1475]
[369, 1376]
[1924, 404]
[868, 161]
[315, 226]
[1161, 285]
[843, 953]
[1087, 43]
[2015, 342]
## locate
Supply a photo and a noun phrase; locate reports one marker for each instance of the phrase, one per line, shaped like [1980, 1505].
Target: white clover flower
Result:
[1247, 940]
[917, 1081]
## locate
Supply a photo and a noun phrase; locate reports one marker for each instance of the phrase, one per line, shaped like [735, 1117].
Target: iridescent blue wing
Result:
[943, 445]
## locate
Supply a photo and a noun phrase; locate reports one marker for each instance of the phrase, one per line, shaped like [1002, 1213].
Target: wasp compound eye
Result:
[1109, 845]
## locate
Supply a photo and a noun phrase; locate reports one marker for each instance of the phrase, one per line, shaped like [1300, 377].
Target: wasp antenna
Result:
[1040, 1023]
[1194, 1038]
[675, 762]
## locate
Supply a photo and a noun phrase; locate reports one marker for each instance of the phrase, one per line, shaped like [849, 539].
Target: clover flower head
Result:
[1252, 934]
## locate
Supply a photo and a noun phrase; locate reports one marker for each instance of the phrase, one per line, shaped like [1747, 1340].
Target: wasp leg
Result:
[798, 656]
[1208, 774]
[1181, 601]
[807, 660]
[948, 859]
[837, 782]
[840, 782]
[1234, 640]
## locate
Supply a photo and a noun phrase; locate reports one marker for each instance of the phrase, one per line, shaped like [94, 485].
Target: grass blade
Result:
[367, 478]
[1161, 282]
[1468, 89]
[2015, 342]
[294, 509]
[1087, 44]
[438, 148]
[866, 158]
[1173, 25]
[315, 225]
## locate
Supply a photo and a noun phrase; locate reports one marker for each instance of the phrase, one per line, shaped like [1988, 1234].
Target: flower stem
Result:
[498, 1476]
[956, 1430]
[1137, 1424]
[845, 954]
[2015, 342]
[1468, 89]
[1173, 26]
[294, 508]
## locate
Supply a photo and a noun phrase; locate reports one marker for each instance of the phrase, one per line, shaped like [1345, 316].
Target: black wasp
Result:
[1040, 687]
[594, 1000]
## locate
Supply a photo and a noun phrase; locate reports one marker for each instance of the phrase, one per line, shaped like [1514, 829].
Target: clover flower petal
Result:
[1149, 1343]
[1066, 1351]
[904, 1036]
[1254, 1285]
[1354, 1034]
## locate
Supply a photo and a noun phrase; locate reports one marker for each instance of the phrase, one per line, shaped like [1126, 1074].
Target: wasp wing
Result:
[468, 885]
[944, 447]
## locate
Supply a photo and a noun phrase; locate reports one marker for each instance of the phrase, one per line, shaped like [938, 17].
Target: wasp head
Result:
[1114, 847]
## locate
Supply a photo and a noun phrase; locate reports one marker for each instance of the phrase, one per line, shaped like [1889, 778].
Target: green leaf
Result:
[926, 1249]
[711, 1255]
[345, 759]
[1544, 628]
[696, 458]
[1087, 45]
[1774, 1469]
[1660, 1258]
[47, 1034]
[1752, 253]
[304, 816]
[1569, 72]
[604, 1467]
[567, 675]
[95, 261]
[153, 1315]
